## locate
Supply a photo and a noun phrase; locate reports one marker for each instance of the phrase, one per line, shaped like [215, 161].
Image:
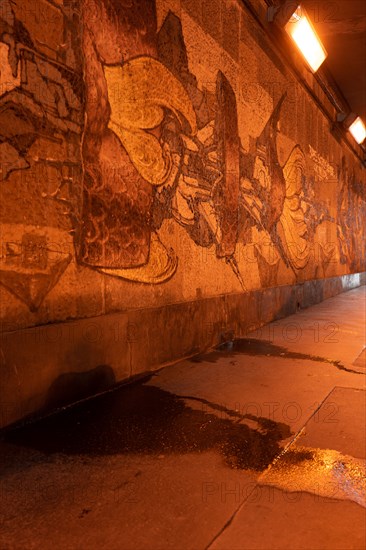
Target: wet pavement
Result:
[259, 443]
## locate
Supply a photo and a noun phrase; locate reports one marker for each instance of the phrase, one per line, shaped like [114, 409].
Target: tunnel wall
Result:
[167, 182]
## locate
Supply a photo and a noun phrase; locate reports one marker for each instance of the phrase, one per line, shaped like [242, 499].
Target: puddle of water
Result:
[252, 346]
[143, 419]
[323, 472]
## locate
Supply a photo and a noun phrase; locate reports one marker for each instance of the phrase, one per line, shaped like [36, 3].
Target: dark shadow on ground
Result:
[75, 386]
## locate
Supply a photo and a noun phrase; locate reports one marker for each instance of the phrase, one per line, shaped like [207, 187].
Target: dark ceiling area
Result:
[341, 25]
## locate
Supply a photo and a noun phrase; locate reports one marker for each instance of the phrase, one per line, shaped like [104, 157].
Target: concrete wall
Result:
[166, 183]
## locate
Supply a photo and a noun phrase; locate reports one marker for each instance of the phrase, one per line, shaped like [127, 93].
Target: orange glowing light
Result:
[306, 39]
[358, 130]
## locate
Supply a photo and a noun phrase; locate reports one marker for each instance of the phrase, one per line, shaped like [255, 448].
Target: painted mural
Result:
[112, 113]
[40, 125]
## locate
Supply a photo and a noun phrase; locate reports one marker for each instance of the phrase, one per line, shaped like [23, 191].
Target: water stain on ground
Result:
[324, 472]
[144, 419]
[252, 346]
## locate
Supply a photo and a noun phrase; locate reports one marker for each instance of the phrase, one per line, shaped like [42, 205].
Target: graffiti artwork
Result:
[40, 110]
[156, 146]
[146, 143]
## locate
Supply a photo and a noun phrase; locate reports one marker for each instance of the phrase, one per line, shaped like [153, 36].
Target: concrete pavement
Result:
[257, 444]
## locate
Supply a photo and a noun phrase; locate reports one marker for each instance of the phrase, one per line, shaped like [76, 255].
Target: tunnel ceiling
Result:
[341, 24]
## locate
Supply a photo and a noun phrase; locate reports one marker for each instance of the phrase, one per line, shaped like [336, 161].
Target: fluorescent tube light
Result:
[358, 130]
[302, 32]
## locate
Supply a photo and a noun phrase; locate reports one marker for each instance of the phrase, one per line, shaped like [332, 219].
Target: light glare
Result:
[358, 130]
[306, 39]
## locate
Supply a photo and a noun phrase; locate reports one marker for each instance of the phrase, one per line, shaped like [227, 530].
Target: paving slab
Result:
[314, 494]
[174, 461]
[295, 521]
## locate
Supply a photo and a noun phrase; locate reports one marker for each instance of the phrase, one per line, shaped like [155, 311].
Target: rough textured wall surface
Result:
[159, 153]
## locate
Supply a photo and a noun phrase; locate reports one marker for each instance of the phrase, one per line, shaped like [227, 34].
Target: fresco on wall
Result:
[155, 146]
[134, 141]
[351, 219]
[40, 125]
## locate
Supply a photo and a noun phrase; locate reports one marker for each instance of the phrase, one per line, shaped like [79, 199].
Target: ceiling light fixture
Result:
[302, 32]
